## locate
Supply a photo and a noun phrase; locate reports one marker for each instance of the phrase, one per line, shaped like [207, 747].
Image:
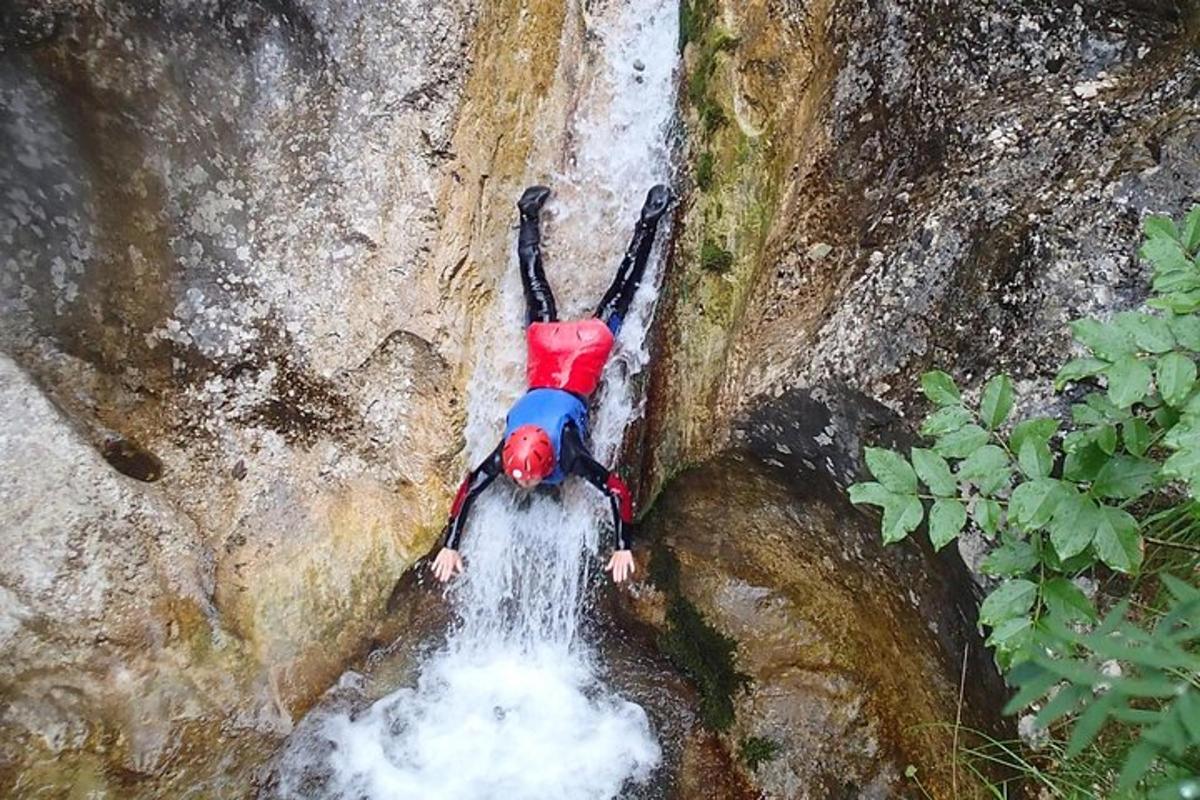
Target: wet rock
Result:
[852, 654]
[978, 172]
[974, 200]
[226, 369]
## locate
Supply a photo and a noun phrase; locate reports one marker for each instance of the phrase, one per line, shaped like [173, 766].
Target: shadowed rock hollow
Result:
[244, 250]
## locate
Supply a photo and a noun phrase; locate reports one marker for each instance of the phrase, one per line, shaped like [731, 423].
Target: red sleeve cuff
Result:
[624, 500]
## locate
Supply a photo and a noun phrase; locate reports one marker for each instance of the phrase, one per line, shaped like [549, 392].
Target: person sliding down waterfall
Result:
[546, 429]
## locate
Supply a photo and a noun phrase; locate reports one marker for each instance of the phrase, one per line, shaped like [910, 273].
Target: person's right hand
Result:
[447, 564]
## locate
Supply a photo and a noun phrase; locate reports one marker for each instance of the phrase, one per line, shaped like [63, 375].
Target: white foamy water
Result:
[512, 706]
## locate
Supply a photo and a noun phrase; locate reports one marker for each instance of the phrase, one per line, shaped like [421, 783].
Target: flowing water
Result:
[513, 705]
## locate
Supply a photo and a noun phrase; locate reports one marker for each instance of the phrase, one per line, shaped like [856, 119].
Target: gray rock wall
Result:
[903, 185]
[230, 405]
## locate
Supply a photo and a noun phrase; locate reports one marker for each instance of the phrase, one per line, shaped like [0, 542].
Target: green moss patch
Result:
[714, 257]
[704, 171]
[755, 750]
[697, 649]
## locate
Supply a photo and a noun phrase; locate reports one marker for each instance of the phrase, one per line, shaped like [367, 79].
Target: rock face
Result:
[881, 188]
[228, 374]
[886, 186]
[845, 655]
[243, 250]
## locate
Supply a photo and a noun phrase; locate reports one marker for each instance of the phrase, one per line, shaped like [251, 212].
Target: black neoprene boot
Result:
[658, 200]
[532, 200]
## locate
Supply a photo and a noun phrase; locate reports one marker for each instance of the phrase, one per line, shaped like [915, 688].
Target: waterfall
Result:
[512, 706]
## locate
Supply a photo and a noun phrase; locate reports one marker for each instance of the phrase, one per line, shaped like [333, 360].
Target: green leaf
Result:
[1184, 433]
[1076, 369]
[1034, 681]
[962, 442]
[988, 468]
[935, 472]
[946, 520]
[1013, 557]
[1084, 463]
[997, 401]
[1073, 525]
[1008, 600]
[1184, 465]
[1066, 601]
[1191, 230]
[1010, 636]
[1176, 375]
[986, 514]
[1157, 226]
[1105, 437]
[1182, 592]
[1177, 302]
[1137, 763]
[1107, 409]
[1032, 503]
[1106, 341]
[1040, 429]
[1125, 477]
[1117, 541]
[945, 420]
[1151, 334]
[1166, 281]
[1165, 254]
[1186, 329]
[890, 469]
[870, 493]
[1089, 723]
[1087, 415]
[940, 388]
[1165, 416]
[1128, 381]
[1063, 703]
[1136, 435]
[1189, 710]
[901, 517]
[1035, 459]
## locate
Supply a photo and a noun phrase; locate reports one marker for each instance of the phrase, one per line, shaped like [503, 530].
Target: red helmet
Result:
[528, 453]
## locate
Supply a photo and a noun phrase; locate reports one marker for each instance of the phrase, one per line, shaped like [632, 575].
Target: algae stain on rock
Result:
[752, 83]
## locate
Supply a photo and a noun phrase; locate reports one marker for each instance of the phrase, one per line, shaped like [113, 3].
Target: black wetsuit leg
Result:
[539, 299]
[615, 304]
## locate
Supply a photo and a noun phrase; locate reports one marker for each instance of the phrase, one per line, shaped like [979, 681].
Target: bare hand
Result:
[620, 565]
[447, 564]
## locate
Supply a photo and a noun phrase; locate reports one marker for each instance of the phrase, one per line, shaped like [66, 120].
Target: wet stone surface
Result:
[852, 653]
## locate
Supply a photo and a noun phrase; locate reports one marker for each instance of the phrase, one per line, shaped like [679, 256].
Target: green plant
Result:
[755, 750]
[693, 19]
[1147, 679]
[1060, 504]
[715, 258]
[712, 118]
[696, 648]
[704, 171]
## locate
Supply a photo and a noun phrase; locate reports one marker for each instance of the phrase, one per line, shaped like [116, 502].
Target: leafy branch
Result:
[1061, 503]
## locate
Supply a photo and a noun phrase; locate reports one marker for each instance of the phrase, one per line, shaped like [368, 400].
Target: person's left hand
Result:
[620, 565]
[447, 564]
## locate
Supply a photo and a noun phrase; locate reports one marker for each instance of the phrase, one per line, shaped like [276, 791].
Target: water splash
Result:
[512, 706]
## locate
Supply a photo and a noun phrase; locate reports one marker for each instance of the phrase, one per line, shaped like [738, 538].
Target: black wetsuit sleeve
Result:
[576, 460]
[476, 481]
